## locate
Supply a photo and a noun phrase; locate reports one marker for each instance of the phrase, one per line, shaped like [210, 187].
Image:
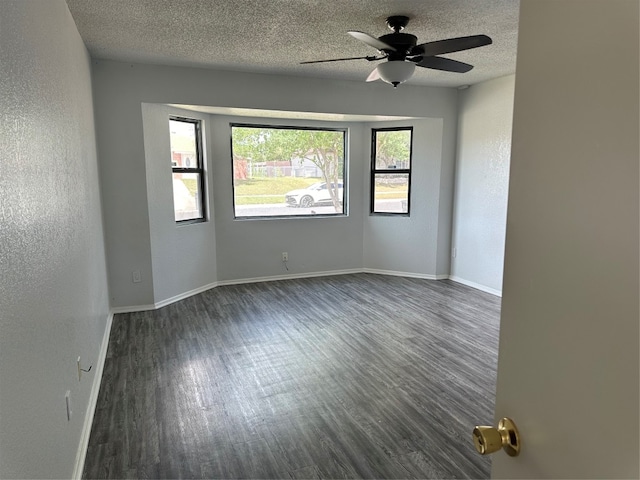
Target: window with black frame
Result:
[187, 169]
[391, 170]
[285, 171]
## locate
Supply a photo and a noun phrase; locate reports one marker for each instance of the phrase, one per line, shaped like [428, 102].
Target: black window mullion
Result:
[197, 170]
[376, 172]
[391, 172]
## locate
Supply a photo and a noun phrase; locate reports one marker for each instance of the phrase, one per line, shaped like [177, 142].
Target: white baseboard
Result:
[289, 277]
[239, 281]
[81, 454]
[184, 295]
[165, 302]
[424, 276]
[477, 286]
[133, 308]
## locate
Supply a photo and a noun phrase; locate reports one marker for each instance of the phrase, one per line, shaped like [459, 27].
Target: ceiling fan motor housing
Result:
[402, 42]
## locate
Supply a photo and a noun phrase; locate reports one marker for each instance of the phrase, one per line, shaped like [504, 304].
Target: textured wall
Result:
[482, 182]
[53, 290]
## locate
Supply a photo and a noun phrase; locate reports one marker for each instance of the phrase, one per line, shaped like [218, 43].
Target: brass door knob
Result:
[488, 439]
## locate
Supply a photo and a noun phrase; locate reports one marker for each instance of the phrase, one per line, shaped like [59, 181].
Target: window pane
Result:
[281, 172]
[391, 193]
[184, 153]
[186, 196]
[393, 150]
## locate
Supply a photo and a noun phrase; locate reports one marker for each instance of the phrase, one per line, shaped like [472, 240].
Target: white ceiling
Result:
[273, 36]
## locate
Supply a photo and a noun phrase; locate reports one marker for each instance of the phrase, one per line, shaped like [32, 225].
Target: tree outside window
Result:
[288, 171]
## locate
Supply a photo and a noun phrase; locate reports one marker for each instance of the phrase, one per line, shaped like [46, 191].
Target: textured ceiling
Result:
[273, 36]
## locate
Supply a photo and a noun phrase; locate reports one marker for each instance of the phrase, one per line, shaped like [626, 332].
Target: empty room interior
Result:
[286, 239]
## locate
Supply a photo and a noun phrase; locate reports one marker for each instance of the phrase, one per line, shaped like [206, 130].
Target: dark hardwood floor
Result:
[351, 376]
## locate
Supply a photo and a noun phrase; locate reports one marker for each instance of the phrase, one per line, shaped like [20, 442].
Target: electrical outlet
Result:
[136, 276]
[79, 370]
[285, 256]
[454, 252]
[67, 398]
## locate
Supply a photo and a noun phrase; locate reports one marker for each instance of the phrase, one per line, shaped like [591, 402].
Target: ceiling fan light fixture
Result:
[396, 72]
[403, 53]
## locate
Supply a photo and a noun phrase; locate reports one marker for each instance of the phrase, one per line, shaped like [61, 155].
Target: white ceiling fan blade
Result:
[374, 75]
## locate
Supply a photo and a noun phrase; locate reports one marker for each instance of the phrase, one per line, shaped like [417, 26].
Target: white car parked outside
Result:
[312, 195]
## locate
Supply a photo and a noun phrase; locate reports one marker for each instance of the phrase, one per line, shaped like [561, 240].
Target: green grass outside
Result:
[251, 191]
[258, 191]
[389, 192]
[191, 185]
[260, 200]
[391, 195]
[272, 186]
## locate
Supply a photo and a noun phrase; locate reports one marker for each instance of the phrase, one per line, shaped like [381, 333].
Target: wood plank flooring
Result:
[350, 376]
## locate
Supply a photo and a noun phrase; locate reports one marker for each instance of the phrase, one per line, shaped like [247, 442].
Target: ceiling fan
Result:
[403, 55]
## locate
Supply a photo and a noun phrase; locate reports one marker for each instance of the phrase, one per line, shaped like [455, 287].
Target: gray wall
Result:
[183, 256]
[415, 244]
[252, 248]
[53, 287]
[119, 91]
[482, 183]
